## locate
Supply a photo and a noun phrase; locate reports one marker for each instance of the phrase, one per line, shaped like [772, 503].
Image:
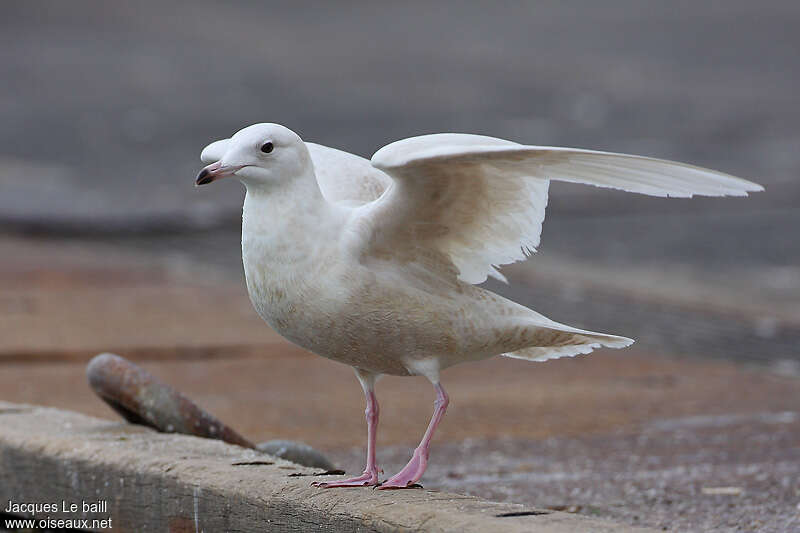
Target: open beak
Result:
[215, 171]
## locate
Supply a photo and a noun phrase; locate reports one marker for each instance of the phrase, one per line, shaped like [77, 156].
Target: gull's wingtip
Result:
[747, 188]
[743, 186]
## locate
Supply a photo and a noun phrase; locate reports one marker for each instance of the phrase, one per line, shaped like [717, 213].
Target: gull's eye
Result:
[267, 147]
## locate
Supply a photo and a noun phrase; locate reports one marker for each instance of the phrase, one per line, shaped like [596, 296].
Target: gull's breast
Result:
[320, 307]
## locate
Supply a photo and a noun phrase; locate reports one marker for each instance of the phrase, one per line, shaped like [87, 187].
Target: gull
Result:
[374, 263]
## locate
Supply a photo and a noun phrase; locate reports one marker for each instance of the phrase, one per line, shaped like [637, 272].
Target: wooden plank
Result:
[146, 481]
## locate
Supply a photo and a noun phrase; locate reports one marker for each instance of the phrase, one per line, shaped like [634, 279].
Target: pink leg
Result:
[370, 475]
[413, 471]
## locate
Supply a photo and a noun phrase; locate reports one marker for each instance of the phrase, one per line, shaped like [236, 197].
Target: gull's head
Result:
[261, 154]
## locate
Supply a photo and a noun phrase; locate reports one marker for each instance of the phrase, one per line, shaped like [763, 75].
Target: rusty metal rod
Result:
[140, 398]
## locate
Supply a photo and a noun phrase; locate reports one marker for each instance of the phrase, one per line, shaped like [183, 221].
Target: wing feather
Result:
[480, 202]
[346, 178]
[214, 151]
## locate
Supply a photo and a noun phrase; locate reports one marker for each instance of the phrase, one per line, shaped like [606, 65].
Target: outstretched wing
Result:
[476, 202]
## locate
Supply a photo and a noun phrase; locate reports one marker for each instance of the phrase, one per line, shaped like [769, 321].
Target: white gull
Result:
[374, 263]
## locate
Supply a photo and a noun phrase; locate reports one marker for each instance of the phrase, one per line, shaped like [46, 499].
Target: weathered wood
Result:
[161, 482]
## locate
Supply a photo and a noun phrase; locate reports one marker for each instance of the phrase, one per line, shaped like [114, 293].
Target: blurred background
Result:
[106, 245]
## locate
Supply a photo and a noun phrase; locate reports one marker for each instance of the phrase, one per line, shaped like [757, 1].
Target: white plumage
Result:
[373, 263]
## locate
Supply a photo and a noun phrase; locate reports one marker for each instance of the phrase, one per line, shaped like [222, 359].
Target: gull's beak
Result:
[215, 171]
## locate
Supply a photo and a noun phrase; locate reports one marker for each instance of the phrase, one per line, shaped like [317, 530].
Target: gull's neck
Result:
[284, 226]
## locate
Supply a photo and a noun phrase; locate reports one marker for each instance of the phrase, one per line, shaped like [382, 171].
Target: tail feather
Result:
[575, 342]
